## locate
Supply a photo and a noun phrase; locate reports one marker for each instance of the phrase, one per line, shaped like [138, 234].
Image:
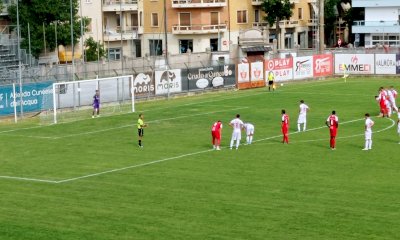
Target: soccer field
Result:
[89, 180]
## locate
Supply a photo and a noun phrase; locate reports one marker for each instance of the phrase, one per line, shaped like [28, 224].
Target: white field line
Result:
[176, 157]
[153, 121]
[134, 166]
[308, 130]
[28, 179]
[119, 127]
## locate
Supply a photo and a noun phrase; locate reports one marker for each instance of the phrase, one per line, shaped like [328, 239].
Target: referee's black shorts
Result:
[270, 82]
[140, 132]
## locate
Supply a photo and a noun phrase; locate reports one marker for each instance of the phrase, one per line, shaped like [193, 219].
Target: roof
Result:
[257, 49]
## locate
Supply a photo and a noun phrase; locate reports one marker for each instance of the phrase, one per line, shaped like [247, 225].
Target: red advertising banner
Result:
[323, 65]
[282, 68]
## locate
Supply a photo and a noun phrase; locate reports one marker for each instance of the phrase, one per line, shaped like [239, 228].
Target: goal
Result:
[72, 101]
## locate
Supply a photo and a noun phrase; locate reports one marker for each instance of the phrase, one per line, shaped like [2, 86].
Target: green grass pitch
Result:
[89, 179]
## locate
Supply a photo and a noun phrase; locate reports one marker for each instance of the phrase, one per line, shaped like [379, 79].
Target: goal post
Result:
[73, 100]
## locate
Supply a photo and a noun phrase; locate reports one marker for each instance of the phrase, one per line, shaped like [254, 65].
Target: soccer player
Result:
[96, 104]
[141, 125]
[398, 123]
[333, 123]
[382, 98]
[237, 126]
[249, 132]
[216, 133]
[302, 116]
[285, 126]
[271, 79]
[368, 132]
[392, 95]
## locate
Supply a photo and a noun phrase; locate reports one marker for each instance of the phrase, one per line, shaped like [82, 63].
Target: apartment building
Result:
[115, 23]
[381, 23]
[192, 26]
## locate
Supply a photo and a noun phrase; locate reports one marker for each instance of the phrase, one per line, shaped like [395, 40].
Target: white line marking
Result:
[29, 136]
[28, 179]
[180, 156]
[134, 166]
[153, 121]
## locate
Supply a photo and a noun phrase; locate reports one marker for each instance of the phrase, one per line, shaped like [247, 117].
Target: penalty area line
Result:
[28, 179]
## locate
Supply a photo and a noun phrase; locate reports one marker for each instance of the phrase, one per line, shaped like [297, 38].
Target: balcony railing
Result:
[256, 2]
[127, 33]
[312, 22]
[376, 23]
[117, 5]
[198, 29]
[198, 3]
[260, 24]
[287, 24]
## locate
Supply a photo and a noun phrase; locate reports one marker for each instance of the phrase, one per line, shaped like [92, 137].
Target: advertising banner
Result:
[257, 71]
[354, 63]
[209, 77]
[168, 81]
[243, 72]
[143, 85]
[385, 63]
[282, 68]
[33, 97]
[303, 67]
[323, 65]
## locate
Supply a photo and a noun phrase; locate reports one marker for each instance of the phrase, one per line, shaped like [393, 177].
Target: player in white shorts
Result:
[368, 132]
[302, 116]
[392, 95]
[398, 123]
[237, 126]
[249, 132]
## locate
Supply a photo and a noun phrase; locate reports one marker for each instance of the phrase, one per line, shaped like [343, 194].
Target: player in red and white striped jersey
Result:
[333, 123]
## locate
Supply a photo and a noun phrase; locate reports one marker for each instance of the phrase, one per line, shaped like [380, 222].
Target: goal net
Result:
[72, 101]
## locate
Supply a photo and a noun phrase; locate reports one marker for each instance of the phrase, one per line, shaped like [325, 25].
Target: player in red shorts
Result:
[333, 123]
[216, 132]
[382, 98]
[285, 127]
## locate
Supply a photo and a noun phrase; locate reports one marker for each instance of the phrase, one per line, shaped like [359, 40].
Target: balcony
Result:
[287, 24]
[376, 27]
[374, 3]
[198, 3]
[120, 5]
[312, 22]
[198, 29]
[260, 24]
[256, 2]
[127, 33]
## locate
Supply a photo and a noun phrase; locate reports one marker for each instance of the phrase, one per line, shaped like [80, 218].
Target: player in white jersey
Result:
[249, 132]
[302, 116]
[392, 95]
[237, 126]
[368, 132]
[398, 123]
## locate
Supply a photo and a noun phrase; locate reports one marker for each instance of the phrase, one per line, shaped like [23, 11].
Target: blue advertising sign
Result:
[34, 97]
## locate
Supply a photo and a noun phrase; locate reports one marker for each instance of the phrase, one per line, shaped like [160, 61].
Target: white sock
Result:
[304, 127]
[231, 143]
[298, 127]
[237, 143]
[366, 144]
[247, 139]
[251, 139]
[370, 144]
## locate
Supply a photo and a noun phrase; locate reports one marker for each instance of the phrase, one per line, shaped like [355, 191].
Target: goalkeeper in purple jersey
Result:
[96, 104]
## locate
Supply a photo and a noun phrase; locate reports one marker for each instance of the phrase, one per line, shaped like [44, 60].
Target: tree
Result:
[94, 50]
[44, 17]
[334, 11]
[276, 11]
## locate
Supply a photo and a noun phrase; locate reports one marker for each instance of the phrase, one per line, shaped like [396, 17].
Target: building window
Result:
[214, 44]
[214, 18]
[184, 19]
[155, 46]
[185, 46]
[242, 16]
[300, 13]
[114, 54]
[257, 15]
[88, 1]
[154, 19]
